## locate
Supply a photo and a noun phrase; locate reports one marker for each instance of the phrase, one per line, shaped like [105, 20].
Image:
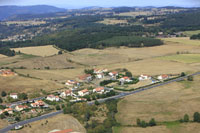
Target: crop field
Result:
[113, 21]
[38, 51]
[184, 58]
[182, 40]
[167, 103]
[59, 122]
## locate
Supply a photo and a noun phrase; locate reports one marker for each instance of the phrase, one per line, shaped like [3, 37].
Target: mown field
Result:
[38, 51]
[166, 103]
[60, 122]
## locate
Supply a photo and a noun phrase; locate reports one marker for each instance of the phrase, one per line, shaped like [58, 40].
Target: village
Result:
[94, 84]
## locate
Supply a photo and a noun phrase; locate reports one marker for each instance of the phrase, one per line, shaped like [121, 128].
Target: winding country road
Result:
[121, 95]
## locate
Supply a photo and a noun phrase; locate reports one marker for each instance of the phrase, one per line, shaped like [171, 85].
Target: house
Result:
[113, 74]
[53, 98]
[14, 95]
[38, 103]
[9, 110]
[21, 107]
[144, 77]
[99, 71]
[163, 77]
[87, 77]
[66, 93]
[83, 92]
[100, 76]
[99, 90]
[125, 79]
[71, 83]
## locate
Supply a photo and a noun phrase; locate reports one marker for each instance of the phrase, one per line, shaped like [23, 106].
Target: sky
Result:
[102, 3]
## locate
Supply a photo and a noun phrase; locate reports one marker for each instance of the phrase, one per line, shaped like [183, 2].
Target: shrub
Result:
[196, 117]
[186, 118]
[3, 93]
[152, 122]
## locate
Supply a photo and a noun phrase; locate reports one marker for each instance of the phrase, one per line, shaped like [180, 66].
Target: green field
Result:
[184, 58]
[190, 33]
[182, 40]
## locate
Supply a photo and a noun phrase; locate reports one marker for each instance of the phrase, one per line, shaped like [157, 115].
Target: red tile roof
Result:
[63, 131]
[99, 89]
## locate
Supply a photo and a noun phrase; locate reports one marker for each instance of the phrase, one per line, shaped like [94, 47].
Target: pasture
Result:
[43, 51]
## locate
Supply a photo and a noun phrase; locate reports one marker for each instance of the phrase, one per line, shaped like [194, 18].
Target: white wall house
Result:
[53, 98]
[83, 92]
[99, 90]
[14, 95]
[144, 77]
[66, 93]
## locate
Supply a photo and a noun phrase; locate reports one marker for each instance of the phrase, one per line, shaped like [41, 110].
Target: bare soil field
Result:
[166, 103]
[29, 85]
[24, 22]
[38, 51]
[59, 122]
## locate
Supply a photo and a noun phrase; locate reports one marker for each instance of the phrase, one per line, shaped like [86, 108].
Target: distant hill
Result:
[8, 11]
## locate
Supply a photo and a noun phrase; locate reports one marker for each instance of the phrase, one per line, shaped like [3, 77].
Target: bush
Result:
[1, 101]
[186, 118]
[183, 74]
[58, 107]
[143, 124]
[196, 117]
[3, 93]
[138, 122]
[152, 122]
[96, 102]
[190, 78]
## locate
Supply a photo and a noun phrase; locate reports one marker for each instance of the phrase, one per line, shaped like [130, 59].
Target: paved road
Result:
[121, 95]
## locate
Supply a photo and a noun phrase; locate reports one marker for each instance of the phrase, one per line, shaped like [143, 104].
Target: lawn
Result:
[184, 58]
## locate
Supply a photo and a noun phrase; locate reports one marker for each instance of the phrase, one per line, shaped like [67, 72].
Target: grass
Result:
[184, 58]
[173, 126]
[182, 40]
[190, 33]
[116, 129]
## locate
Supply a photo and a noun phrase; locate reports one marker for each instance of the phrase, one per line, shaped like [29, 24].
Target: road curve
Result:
[121, 95]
